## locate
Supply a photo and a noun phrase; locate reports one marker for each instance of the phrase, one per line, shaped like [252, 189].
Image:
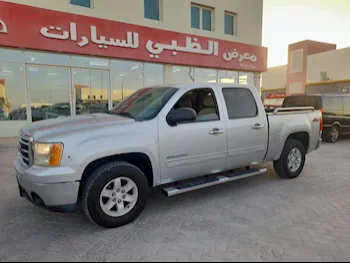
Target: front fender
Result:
[95, 148]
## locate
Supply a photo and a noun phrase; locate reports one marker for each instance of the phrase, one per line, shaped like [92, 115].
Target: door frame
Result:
[73, 93]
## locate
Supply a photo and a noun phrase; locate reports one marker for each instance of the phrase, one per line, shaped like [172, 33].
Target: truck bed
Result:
[304, 121]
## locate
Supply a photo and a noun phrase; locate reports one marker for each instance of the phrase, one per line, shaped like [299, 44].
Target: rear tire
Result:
[292, 160]
[115, 194]
[333, 134]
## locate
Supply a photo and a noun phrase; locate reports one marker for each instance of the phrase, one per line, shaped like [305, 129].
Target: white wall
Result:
[275, 78]
[176, 15]
[336, 63]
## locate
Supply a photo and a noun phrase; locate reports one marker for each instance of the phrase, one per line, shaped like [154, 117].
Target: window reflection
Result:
[246, 78]
[205, 75]
[89, 62]
[124, 84]
[129, 76]
[91, 89]
[227, 76]
[182, 75]
[124, 65]
[153, 68]
[49, 92]
[12, 92]
[12, 55]
[46, 58]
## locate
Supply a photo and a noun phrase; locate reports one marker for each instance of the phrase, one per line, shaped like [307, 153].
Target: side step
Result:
[215, 180]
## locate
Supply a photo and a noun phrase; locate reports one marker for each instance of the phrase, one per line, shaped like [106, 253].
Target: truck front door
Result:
[193, 148]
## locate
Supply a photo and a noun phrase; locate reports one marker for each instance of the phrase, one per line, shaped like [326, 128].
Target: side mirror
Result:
[181, 115]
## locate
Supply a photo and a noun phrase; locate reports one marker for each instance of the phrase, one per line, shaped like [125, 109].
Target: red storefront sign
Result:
[41, 29]
[275, 99]
[281, 95]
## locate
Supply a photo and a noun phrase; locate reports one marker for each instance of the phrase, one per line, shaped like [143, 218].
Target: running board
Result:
[199, 184]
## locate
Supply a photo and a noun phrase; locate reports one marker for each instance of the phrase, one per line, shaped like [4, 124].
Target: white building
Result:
[58, 52]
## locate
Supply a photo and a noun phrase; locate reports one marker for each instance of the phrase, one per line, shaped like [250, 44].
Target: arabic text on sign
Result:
[235, 55]
[155, 49]
[3, 27]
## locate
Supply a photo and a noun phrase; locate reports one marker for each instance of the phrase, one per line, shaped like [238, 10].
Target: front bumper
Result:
[57, 197]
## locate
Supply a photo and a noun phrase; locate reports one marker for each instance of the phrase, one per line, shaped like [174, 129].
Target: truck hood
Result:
[67, 125]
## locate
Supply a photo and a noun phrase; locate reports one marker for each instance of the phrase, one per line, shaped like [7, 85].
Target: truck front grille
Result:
[24, 149]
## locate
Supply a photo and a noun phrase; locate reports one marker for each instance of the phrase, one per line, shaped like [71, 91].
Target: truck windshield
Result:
[145, 104]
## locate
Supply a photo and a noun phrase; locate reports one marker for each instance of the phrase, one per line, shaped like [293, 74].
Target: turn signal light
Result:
[55, 155]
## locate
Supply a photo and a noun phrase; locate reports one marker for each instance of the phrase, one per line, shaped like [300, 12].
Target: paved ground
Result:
[257, 219]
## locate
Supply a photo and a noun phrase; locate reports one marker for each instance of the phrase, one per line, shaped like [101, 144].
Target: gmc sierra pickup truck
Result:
[181, 137]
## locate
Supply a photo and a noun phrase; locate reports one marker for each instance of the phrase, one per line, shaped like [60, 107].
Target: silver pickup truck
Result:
[181, 137]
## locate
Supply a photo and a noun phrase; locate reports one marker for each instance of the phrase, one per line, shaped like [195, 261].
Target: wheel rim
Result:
[334, 134]
[294, 159]
[119, 197]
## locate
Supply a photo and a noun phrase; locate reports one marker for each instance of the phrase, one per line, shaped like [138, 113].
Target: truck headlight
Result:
[48, 154]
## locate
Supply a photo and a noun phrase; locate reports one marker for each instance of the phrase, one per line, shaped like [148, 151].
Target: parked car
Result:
[335, 110]
[181, 137]
[2, 114]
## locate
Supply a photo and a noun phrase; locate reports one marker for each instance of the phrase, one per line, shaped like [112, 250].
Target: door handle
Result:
[258, 126]
[216, 131]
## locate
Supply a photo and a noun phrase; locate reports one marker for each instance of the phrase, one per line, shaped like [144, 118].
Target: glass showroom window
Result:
[12, 92]
[153, 74]
[246, 78]
[205, 75]
[228, 76]
[91, 91]
[181, 74]
[129, 76]
[48, 91]
[126, 78]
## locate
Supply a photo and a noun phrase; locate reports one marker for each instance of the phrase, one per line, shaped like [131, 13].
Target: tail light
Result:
[321, 122]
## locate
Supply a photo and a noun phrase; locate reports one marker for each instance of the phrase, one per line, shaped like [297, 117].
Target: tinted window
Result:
[195, 17]
[229, 24]
[302, 101]
[85, 3]
[207, 19]
[333, 104]
[152, 9]
[240, 103]
[346, 103]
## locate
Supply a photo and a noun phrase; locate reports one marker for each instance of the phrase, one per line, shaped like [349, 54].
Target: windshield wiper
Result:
[123, 114]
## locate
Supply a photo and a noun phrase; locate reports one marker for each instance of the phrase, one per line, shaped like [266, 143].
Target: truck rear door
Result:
[247, 127]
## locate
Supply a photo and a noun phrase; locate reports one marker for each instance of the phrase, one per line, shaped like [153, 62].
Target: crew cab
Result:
[181, 137]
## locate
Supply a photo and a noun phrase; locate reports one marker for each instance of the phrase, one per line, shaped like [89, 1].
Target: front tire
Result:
[115, 194]
[292, 160]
